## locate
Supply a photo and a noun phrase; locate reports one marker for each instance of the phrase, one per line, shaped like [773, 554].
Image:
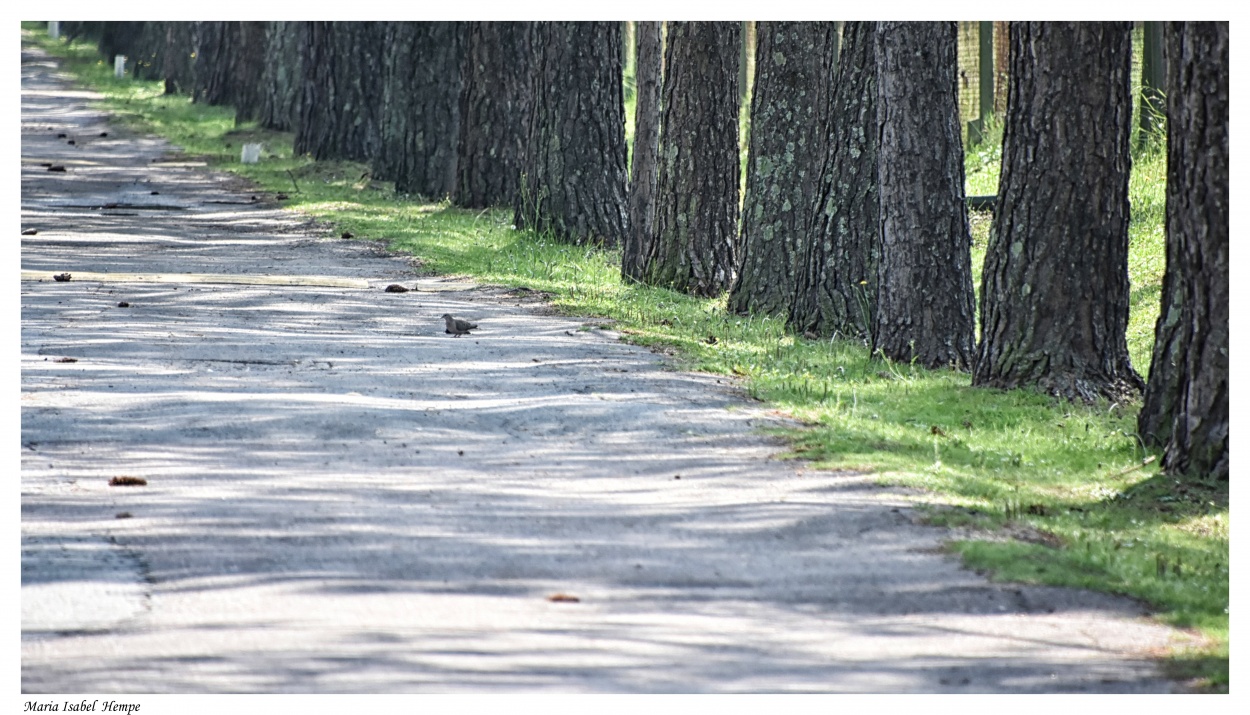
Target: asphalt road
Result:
[341, 498]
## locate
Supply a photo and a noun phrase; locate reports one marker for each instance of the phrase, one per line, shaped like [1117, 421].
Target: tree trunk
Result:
[147, 56]
[213, 62]
[181, 39]
[924, 296]
[1185, 407]
[1055, 290]
[119, 38]
[163, 52]
[341, 97]
[697, 201]
[247, 71]
[837, 290]
[76, 29]
[644, 174]
[573, 175]
[494, 106]
[1153, 70]
[420, 119]
[229, 65]
[790, 110]
[280, 82]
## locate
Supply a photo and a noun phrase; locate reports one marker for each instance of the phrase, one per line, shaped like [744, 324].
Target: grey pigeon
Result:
[456, 326]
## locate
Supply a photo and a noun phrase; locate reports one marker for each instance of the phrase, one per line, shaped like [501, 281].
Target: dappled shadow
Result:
[340, 497]
[1172, 498]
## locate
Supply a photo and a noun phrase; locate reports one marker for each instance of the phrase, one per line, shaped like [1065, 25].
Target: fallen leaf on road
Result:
[563, 598]
[128, 482]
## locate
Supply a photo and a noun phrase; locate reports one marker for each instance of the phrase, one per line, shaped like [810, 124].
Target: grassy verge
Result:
[1045, 491]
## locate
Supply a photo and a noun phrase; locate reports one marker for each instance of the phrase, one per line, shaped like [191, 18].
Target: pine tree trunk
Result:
[341, 96]
[119, 38]
[573, 176]
[147, 56]
[213, 57]
[1055, 290]
[181, 39]
[163, 52]
[1185, 406]
[924, 296]
[494, 107]
[790, 110]
[644, 174]
[1153, 76]
[837, 290]
[280, 83]
[229, 61]
[697, 201]
[247, 71]
[420, 117]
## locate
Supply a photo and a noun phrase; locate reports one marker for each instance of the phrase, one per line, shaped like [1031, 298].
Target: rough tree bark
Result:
[1055, 290]
[164, 51]
[213, 62]
[494, 106]
[420, 115]
[924, 295]
[181, 38]
[837, 289]
[1153, 77]
[147, 56]
[697, 201]
[644, 173]
[280, 82]
[573, 175]
[1185, 407]
[341, 93]
[247, 71]
[77, 29]
[119, 38]
[790, 110]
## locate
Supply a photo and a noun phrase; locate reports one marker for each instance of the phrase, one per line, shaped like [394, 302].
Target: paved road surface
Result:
[340, 498]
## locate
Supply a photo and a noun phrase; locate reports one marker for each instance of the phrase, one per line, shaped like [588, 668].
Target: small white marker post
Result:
[251, 153]
[119, 66]
[54, 29]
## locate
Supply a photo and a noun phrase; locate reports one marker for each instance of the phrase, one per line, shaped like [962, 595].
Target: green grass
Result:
[1048, 492]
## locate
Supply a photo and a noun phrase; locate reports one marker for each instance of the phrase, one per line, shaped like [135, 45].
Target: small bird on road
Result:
[456, 326]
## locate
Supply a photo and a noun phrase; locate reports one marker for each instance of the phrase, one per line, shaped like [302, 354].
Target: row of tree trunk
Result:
[853, 220]
[390, 94]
